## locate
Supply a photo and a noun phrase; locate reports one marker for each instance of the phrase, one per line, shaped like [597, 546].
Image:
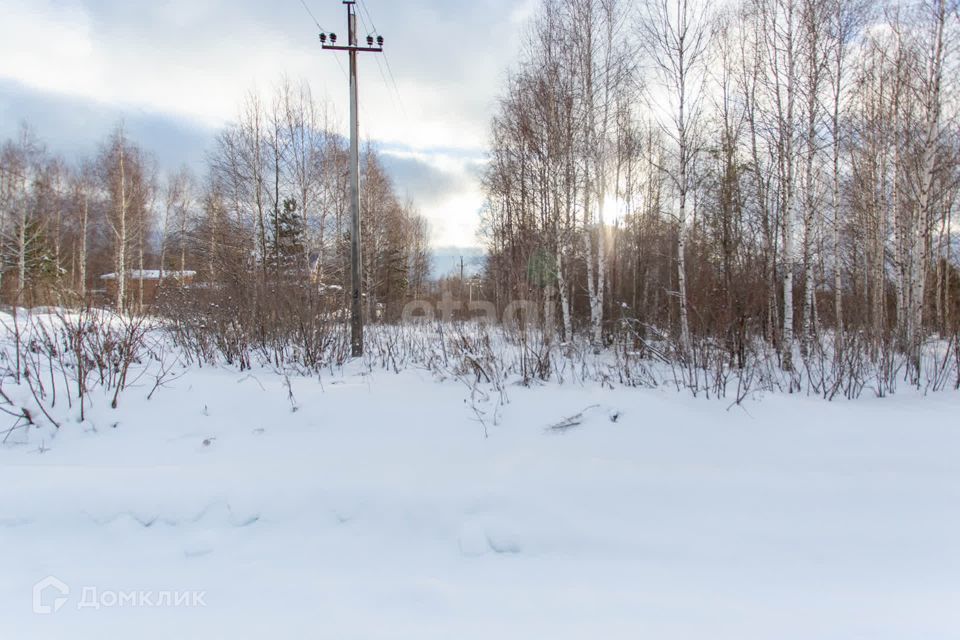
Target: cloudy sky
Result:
[176, 70]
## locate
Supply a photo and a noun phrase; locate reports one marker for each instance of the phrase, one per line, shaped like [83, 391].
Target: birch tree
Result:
[83, 187]
[675, 34]
[126, 181]
[935, 14]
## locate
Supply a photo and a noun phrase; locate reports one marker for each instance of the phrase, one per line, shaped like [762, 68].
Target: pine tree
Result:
[40, 267]
[289, 239]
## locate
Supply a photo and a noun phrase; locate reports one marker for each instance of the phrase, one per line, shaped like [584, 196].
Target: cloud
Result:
[48, 45]
[198, 58]
[430, 184]
[74, 127]
[431, 173]
[178, 69]
[442, 182]
[446, 188]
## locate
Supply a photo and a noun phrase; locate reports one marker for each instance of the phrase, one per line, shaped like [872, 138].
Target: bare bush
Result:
[53, 363]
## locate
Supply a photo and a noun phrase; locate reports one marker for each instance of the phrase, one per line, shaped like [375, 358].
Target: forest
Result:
[742, 176]
[760, 182]
[268, 214]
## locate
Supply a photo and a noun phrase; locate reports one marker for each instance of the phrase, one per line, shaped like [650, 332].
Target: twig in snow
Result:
[571, 421]
[254, 378]
[293, 401]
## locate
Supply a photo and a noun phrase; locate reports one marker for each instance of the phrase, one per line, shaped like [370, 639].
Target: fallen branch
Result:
[571, 421]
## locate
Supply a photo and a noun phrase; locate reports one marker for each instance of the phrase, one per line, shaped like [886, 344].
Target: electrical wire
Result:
[337, 58]
[312, 17]
[322, 30]
[386, 59]
[383, 76]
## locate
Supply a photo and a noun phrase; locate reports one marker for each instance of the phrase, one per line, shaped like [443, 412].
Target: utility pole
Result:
[356, 306]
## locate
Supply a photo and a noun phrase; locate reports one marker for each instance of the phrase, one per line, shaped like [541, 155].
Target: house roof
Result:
[151, 274]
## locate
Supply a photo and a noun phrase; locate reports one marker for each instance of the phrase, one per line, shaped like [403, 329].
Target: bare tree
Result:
[675, 34]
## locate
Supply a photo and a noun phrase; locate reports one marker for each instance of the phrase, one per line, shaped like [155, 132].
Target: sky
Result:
[176, 71]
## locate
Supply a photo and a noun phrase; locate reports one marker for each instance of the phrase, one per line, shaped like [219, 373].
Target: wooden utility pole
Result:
[356, 308]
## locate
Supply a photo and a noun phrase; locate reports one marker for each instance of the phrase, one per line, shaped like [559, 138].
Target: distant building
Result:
[153, 281]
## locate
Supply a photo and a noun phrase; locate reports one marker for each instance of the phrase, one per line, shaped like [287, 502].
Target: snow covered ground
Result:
[372, 506]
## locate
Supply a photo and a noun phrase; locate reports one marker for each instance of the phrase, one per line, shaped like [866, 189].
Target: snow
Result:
[151, 274]
[372, 506]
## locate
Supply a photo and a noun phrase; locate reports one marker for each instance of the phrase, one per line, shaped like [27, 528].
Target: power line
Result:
[343, 71]
[386, 59]
[363, 5]
[393, 98]
[312, 17]
[395, 87]
[322, 30]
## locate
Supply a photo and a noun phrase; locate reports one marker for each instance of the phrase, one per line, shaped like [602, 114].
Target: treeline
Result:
[775, 170]
[267, 224]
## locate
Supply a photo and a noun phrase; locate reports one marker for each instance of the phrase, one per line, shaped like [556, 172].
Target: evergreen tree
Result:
[288, 239]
